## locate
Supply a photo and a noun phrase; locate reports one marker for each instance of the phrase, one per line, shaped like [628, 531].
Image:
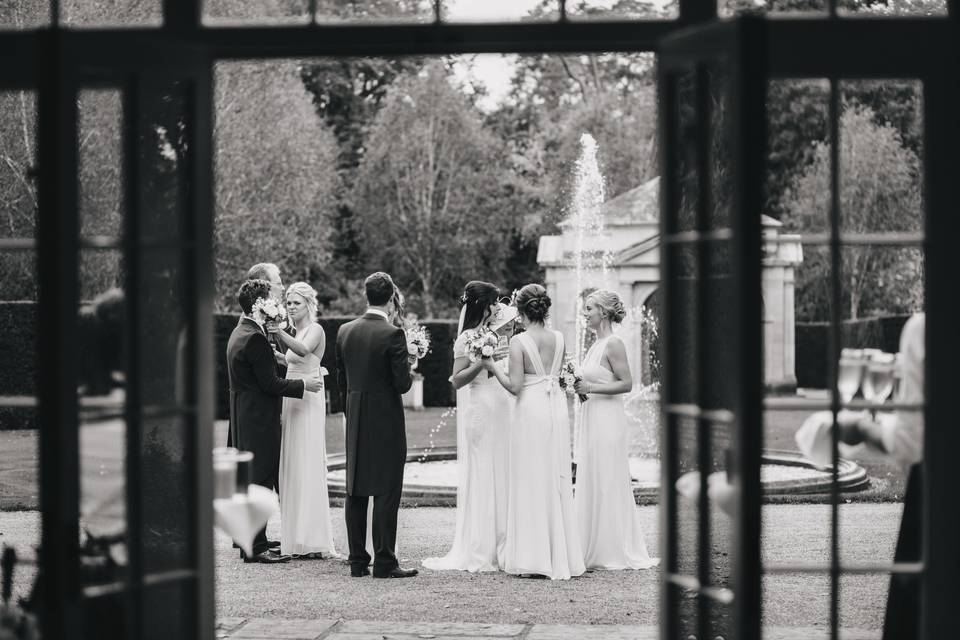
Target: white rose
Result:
[412, 349]
[487, 351]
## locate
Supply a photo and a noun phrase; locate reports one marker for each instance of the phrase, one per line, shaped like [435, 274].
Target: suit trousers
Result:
[902, 620]
[385, 509]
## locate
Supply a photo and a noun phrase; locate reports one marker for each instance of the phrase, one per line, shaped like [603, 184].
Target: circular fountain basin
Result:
[430, 477]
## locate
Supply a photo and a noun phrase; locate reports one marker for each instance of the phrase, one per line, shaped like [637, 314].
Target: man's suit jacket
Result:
[256, 393]
[372, 375]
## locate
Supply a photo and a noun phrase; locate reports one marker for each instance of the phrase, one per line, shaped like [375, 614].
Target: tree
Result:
[880, 192]
[427, 191]
[276, 176]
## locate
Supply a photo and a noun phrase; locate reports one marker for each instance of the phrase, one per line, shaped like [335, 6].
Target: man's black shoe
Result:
[266, 557]
[397, 573]
[359, 572]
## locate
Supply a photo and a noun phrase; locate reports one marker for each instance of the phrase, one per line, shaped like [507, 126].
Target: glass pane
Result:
[261, 12]
[686, 176]
[111, 13]
[167, 504]
[18, 186]
[162, 334]
[168, 611]
[101, 163]
[500, 10]
[796, 604]
[165, 140]
[621, 10]
[24, 14]
[774, 8]
[102, 389]
[892, 8]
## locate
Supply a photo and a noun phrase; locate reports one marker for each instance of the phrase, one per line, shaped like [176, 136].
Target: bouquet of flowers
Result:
[269, 310]
[418, 340]
[481, 343]
[569, 377]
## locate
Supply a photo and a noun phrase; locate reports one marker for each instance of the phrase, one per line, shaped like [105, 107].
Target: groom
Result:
[373, 371]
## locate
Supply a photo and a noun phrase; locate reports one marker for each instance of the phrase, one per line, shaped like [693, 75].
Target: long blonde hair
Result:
[309, 295]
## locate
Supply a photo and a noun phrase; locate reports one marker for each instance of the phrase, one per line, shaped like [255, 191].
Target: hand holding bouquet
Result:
[481, 343]
[569, 377]
[269, 311]
[418, 340]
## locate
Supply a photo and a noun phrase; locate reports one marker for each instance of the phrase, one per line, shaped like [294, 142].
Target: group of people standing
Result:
[516, 508]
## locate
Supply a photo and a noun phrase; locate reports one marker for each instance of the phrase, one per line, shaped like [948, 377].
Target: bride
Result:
[542, 538]
[483, 412]
[609, 522]
[305, 529]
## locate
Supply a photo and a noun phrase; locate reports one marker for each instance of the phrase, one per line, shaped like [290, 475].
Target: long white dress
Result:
[542, 536]
[483, 414]
[304, 503]
[609, 522]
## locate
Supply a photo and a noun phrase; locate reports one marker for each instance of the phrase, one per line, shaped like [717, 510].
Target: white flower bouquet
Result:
[481, 343]
[418, 340]
[569, 377]
[269, 310]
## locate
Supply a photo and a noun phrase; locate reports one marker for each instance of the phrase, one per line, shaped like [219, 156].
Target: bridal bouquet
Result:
[269, 310]
[481, 343]
[569, 377]
[418, 340]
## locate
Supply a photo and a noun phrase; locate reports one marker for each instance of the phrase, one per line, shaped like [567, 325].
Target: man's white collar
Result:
[379, 313]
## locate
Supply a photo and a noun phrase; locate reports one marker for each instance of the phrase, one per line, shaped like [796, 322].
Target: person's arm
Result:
[260, 356]
[514, 381]
[617, 356]
[303, 344]
[400, 362]
[465, 371]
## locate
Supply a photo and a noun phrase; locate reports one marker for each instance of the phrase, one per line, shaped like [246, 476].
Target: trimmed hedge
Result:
[435, 367]
[813, 344]
[19, 370]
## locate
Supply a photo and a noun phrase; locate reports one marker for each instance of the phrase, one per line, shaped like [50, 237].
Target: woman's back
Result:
[543, 351]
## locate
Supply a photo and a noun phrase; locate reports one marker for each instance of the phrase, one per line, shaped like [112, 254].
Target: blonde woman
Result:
[607, 516]
[305, 530]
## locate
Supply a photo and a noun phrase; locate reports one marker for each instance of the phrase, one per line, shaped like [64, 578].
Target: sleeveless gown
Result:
[542, 536]
[609, 523]
[304, 503]
[483, 414]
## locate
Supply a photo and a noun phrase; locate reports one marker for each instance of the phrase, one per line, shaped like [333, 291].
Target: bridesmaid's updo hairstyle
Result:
[609, 304]
[309, 295]
[476, 299]
[533, 302]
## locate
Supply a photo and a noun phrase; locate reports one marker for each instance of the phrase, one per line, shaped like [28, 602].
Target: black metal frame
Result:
[55, 63]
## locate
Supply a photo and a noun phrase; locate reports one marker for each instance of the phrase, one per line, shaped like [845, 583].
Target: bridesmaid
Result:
[305, 528]
[542, 538]
[609, 522]
[483, 411]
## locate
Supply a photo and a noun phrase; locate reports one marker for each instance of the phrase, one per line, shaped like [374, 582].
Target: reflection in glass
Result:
[100, 154]
[24, 14]
[111, 13]
[395, 11]
[621, 10]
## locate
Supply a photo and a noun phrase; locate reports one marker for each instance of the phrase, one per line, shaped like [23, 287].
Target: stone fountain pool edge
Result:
[851, 477]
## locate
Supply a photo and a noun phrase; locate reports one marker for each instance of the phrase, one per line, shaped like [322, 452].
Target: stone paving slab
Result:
[288, 629]
[283, 629]
[476, 629]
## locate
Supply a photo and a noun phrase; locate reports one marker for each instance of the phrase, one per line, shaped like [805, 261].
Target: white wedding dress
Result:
[304, 503]
[483, 414]
[542, 536]
[609, 522]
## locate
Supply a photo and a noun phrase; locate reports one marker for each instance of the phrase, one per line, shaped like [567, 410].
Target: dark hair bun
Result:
[533, 302]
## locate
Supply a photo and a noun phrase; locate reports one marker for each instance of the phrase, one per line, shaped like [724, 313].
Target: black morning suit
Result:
[256, 393]
[372, 375]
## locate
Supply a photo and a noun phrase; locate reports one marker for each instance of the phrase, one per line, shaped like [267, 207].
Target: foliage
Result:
[275, 174]
[426, 193]
[879, 192]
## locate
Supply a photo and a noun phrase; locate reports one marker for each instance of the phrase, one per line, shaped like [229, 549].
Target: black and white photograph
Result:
[479, 319]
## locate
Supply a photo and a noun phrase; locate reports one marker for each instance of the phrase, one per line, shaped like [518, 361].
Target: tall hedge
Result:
[813, 344]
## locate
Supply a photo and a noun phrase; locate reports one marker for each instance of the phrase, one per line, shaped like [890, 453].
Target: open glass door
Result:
[711, 84]
[125, 398]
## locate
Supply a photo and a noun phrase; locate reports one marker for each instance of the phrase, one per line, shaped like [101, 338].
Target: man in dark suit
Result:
[255, 400]
[373, 372]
